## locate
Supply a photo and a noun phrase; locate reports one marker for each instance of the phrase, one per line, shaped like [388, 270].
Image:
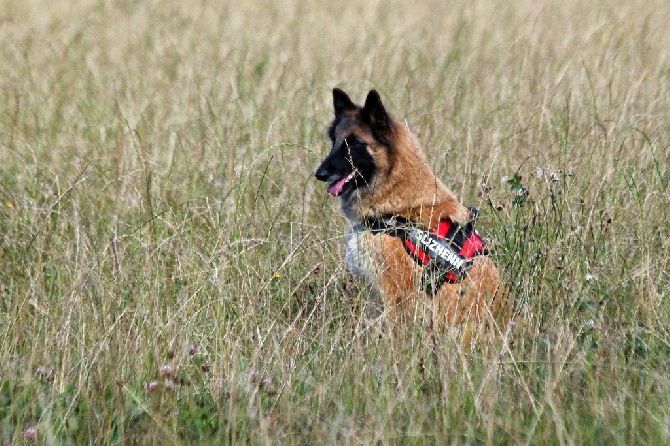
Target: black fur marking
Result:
[375, 115]
[342, 103]
[352, 154]
[331, 130]
[374, 112]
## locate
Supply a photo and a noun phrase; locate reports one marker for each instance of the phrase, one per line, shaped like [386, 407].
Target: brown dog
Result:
[410, 236]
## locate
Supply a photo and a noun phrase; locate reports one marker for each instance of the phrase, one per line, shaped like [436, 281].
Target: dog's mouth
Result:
[336, 187]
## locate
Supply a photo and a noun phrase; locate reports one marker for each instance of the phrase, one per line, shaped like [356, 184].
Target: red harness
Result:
[472, 245]
[446, 254]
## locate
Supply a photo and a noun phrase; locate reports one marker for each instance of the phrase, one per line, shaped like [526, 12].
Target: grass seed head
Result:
[30, 434]
[152, 385]
[166, 370]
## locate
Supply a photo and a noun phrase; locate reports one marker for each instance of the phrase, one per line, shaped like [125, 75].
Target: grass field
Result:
[172, 273]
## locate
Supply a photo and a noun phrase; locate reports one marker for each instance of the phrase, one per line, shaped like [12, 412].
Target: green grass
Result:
[157, 208]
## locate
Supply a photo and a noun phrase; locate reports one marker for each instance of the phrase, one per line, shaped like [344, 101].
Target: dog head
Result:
[362, 147]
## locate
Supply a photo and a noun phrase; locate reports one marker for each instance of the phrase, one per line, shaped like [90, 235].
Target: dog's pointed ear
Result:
[342, 103]
[375, 113]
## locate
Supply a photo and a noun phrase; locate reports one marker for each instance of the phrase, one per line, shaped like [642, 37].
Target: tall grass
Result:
[171, 272]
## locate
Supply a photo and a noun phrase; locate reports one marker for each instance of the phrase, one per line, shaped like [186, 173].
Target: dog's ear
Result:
[375, 114]
[342, 103]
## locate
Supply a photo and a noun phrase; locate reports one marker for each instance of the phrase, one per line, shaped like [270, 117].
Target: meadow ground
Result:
[171, 272]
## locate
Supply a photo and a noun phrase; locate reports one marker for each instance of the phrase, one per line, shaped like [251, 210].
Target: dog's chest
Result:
[357, 251]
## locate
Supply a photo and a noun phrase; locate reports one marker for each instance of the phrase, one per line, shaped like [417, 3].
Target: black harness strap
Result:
[446, 254]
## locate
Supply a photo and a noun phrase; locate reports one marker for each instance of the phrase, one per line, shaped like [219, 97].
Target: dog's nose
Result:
[322, 174]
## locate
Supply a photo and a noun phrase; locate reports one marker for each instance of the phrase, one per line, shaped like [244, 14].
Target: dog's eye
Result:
[352, 141]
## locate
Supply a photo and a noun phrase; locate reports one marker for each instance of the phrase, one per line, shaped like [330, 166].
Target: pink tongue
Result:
[336, 188]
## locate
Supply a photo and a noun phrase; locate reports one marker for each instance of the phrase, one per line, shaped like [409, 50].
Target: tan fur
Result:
[477, 300]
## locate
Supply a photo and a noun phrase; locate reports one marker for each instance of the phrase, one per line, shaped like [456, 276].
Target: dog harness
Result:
[446, 254]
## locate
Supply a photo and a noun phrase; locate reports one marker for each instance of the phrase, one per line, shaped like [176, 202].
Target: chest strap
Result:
[446, 253]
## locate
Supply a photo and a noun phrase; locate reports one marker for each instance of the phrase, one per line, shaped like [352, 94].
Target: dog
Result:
[410, 237]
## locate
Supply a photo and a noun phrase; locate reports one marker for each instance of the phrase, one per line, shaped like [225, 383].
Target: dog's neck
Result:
[426, 201]
[428, 208]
